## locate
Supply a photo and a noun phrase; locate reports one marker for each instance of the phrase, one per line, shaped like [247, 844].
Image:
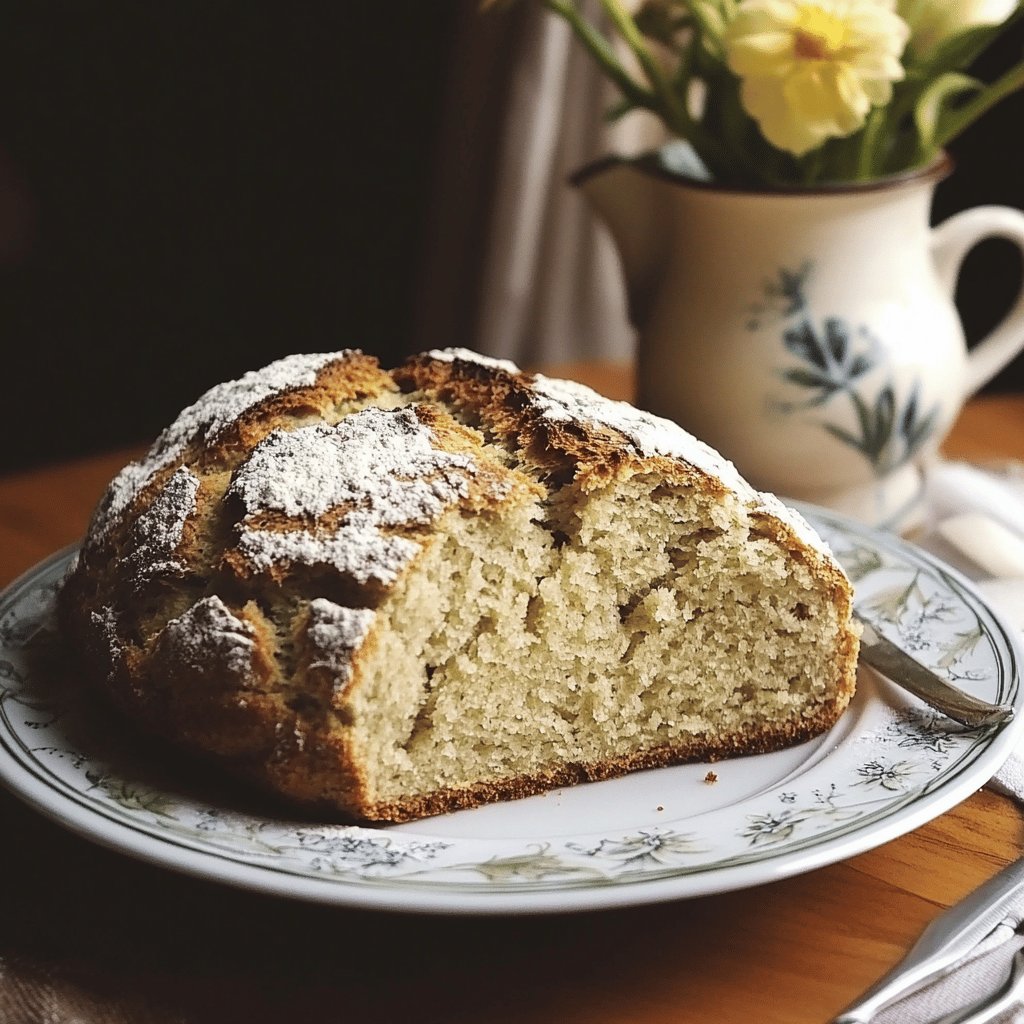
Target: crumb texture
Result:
[397, 594]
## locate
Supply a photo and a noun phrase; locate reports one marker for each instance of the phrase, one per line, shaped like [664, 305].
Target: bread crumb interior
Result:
[629, 618]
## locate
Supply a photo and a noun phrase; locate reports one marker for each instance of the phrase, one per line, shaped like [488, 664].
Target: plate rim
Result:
[393, 894]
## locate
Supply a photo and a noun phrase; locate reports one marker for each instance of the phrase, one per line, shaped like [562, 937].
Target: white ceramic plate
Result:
[887, 767]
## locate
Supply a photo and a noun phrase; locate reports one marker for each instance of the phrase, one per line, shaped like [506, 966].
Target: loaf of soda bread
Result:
[396, 594]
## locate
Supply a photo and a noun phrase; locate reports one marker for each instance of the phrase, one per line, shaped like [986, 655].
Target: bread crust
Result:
[277, 719]
[755, 740]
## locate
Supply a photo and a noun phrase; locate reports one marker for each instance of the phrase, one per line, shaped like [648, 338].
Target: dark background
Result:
[189, 190]
[210, 186]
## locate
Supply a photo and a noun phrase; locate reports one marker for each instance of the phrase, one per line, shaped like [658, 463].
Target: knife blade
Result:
[946, 941]
[904, 670]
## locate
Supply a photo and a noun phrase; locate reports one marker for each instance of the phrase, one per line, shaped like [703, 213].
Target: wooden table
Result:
[105, 938]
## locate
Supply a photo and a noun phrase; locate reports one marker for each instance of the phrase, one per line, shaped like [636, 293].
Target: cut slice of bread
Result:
[399, 594]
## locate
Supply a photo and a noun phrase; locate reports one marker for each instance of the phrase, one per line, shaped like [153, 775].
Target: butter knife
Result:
[905, 671]
[946, 941]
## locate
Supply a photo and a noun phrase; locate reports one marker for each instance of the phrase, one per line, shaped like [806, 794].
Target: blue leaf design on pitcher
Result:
[833, 359]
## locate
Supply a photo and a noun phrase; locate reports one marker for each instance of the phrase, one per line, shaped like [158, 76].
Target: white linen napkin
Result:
[978, 977]
[975, 522]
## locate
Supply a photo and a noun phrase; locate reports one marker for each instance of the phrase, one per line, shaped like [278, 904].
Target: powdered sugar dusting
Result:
[381, 460]
[105, 623]
[211, 638]
[216, 410]
[448, 355]
[223, 404]
[564, 400]
[335, 633]
[363, 553]
[157, 532]
[123, 490]
[378, 466]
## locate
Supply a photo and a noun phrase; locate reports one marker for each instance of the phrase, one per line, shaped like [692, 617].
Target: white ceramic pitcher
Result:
[809, 335]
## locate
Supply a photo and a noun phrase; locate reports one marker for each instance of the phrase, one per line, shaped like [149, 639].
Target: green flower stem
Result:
[903, 151]
[710, 30]
[726, 139]
[665, 101]
[726, 119]
[602, 52]
[963, 118]
[873, 134]
[674, 107]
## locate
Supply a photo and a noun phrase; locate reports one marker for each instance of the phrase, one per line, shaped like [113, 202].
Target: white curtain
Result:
[538, 280]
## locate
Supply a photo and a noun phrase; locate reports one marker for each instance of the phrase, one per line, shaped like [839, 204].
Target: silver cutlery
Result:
[904, 670]
[944, 944]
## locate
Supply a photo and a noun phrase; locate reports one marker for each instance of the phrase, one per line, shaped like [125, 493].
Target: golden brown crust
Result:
[504, 405]
[254, 699]
[351, 377]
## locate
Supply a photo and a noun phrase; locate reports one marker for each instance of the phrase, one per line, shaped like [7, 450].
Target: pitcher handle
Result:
[951, 242]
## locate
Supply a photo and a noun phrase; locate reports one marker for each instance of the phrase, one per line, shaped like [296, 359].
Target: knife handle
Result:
[953, 935]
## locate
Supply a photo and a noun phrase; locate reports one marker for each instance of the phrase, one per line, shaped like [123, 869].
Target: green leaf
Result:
[866, 421]
[859, 365]
[847, 438]
[809, 379]
[957, 52]
[908, 419]
[933, 105]
[967, 113]
[804, 343]
[916, 437]
[885, 417]
[837, 339]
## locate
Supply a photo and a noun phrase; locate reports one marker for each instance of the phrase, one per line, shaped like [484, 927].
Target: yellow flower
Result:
[813, 70]
[933, 21]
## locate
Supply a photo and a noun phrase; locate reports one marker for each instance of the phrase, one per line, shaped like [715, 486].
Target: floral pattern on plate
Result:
[887, 766]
